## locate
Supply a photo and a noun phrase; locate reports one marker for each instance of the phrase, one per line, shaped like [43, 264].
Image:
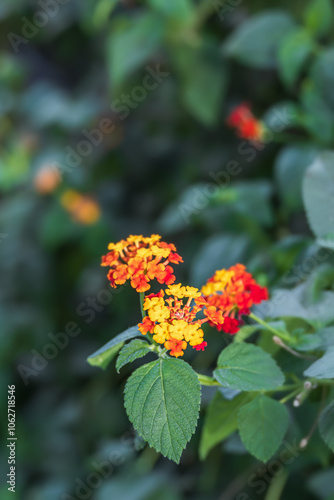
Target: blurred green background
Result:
[112, 122]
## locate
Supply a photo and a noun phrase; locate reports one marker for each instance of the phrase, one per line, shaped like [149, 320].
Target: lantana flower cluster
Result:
[232, 292]
[174, 316]
[140, 260]
[172, 321]
[248, 127]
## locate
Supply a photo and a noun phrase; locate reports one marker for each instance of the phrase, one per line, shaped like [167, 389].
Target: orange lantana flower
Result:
[140, 259]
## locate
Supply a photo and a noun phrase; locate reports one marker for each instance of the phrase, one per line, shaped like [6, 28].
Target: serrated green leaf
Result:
[248, 368]
[326, 425]
[262, 425]
[162, 400]
[256, 41]
[318, 193]
[292, 55]
[318, 17]
[134, 350]
[220, 421]
[323, 367]
[106, 353]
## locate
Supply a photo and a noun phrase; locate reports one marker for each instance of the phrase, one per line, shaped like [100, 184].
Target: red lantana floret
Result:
[248, 127]
[200, 347]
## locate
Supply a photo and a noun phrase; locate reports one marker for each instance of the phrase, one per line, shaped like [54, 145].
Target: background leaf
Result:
[262, 424]
[200, 69]
[326, 425]
[322, 73]
[219, 251]
[220, 421]
[323, 367]
[256, 41]
[132, 44]
[318, 193]
[318, 17]
[179, 10]
[290, 166]
[292, 55]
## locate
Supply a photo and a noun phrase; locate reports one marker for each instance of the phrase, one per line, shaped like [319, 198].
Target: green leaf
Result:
[321, 278]
[262, 425]
[256, 41]
[318, 193]
[326, 425]
[290, 303]
[318, 118]
[200, 69]
[306, 342]
[248, 368]
[318, 17]
[252, 199]
[162, 400]
[106, 353]
[220, 421]
[292, 55]
[181, 11]
[102, 12]
[218, 251]
[327, 337]
[321, 484]
[290, 166]
[134, 350]
[323, 367]
[132, 43]
[247, 330]
[322, 73]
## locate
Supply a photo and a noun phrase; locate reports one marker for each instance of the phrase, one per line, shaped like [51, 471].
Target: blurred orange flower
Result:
[82, 208]
[46, 180]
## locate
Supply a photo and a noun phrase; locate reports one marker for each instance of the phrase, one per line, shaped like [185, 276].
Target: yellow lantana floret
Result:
[178, 328]
[158, 313]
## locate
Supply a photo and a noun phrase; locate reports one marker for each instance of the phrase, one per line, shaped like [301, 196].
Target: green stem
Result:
[290, 396]
[270, 328]
[204, 380]
[321, 381]
[288, 387]
[141, 300]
